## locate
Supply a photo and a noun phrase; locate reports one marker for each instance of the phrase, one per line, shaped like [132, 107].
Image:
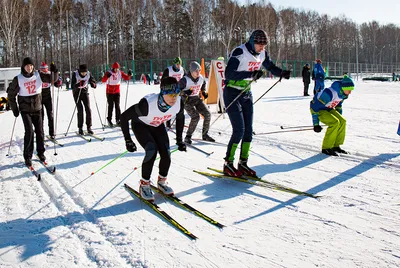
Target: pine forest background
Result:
[74, 32]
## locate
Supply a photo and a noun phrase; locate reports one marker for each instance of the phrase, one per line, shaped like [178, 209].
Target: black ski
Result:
[184, 205]
[34, 172]
[198, 149]
[95, 136]
[54, 141]
[50, 168]
[83, 137]
[162, 213]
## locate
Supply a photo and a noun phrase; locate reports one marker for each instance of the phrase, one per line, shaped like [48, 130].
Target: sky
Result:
[386, 12]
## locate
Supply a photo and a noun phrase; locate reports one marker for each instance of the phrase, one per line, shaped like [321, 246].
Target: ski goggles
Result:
[170, 89]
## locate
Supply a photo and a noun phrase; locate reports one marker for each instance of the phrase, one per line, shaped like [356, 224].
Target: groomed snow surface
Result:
[73, 219]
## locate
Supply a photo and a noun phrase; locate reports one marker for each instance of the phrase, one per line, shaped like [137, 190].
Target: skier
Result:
[326, 107]
[244, 66]
[175, 70]
[113, 78]
[306, 78]
[147, 118]
[47, 101]
[318, 75]
[192, 85]
[81, 79]
[67, 80]
[28, 86]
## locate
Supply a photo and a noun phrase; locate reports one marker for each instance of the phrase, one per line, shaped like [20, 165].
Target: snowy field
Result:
[73, 219]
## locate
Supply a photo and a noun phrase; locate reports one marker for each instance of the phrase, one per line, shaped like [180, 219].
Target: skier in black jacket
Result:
[305, 73]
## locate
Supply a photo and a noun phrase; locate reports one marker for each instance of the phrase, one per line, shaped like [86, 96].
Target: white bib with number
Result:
[29, 86]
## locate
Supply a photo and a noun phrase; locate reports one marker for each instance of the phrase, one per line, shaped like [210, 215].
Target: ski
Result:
[55, 141]
[256, 181]
[162, 213]
[50, 168]
[184, 205]
[114, 126]
[34, 172]
[83, 137]
[95, 136]
[198, 149]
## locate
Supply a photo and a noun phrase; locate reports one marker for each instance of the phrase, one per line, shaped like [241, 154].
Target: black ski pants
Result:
[83, 101]
[48, 104]
[195, 106]
[33, 123]
[153, 140]
[113, 99]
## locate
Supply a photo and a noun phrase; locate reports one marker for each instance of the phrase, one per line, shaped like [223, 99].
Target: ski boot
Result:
[163, 185]
[118, 124]
[245, 170]
[329, 152]
[207, 138]
[80, 131]
[28, 162]
[230, 170]
[41, 157]
[339, 150]
[90, 131]
[110, 124]
[145, 190]
[188, 139]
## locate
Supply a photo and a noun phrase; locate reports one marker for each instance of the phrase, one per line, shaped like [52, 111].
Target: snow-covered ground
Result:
[73, 219]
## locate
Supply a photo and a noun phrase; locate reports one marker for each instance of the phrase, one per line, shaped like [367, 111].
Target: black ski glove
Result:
[16, 112]
[130, 72]
[130, 146]
[53, 68]
[317, 128]
[205, 94]
[285, 74]
[93, 85]
[181, 146]
[257, 74]
[108, 74]
[188, 92]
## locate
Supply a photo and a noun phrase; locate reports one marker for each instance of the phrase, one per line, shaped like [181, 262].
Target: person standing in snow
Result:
[192, 84]
[113, 78]
[244, 66]
[305, 73]
[175, 70]
[318, 75]
[147, 121]
[28, 86]
[81, 79]
[326, 107]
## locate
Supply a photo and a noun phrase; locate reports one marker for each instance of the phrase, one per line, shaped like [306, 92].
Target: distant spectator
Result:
[318, 75]
[306, 78]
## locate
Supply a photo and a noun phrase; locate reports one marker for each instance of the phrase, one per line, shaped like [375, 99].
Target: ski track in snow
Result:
[73, 219]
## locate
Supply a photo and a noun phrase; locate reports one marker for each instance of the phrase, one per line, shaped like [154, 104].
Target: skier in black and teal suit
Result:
[244, 65]
[326, 107]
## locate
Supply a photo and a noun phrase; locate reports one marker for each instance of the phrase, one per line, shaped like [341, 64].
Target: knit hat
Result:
[115, 65]
[347, 83]
[27, 61]
[318, 61]
[82, 68]
[258, 37]
[194, 66]
[177, 60]
[43, 66]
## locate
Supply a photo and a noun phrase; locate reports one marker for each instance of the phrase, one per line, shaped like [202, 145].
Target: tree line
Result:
[72, 32]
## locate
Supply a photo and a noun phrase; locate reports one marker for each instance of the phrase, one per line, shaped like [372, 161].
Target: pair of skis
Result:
[255, 181]
[88, 137]
[167, 217]
[50, 168]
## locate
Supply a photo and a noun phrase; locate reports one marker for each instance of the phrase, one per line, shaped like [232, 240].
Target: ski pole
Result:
[109, 162]
[12, 134]
[52, 99]
[126, 96]
[291, 130]
[55, 128]
[76, 105]
[97, 107]
[230, 104]
[282, 127]
[268, 90]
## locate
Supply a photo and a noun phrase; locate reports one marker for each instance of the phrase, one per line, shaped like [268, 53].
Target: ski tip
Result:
[91, 174]
[39, 177]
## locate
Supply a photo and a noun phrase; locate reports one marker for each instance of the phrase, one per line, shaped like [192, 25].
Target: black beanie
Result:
[27, 61]
[82, 68]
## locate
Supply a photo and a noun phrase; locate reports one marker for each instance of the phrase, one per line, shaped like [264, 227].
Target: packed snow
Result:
[75, 219]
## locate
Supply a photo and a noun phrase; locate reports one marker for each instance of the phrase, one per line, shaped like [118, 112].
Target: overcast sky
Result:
[383, 11]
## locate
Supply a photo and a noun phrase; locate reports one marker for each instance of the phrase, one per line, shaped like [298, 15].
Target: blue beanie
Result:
[347, 83]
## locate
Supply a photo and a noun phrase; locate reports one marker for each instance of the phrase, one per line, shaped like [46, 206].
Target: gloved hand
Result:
[205, 94]
[181, 146]
[188, 92]
[285, 74]
[317, 128]
[130, 146]
[257, 74]
[16, 112]
[59, 82]
[130, 72]
[53, 68]
[108, 74]
[93, 85]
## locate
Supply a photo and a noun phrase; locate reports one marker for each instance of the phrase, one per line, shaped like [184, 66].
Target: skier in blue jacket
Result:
[318, 75]
[326, 107]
